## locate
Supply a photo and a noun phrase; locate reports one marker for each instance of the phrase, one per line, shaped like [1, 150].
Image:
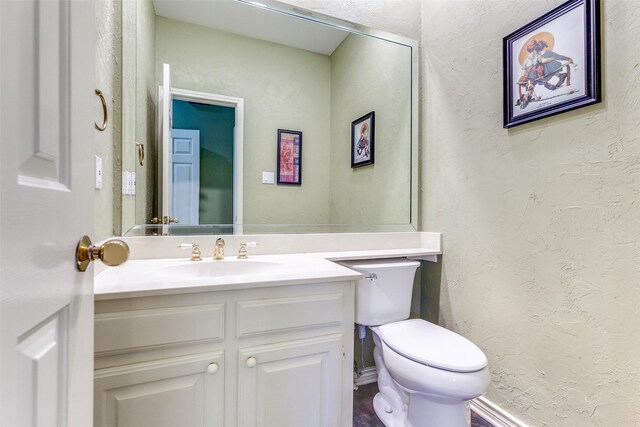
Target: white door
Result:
[185, 173]
[46, 204]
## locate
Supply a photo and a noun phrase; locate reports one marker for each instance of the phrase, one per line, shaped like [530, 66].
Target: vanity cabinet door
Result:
[291, 384]
[182, 391]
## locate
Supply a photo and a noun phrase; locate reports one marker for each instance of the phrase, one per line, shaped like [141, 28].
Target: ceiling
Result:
[254, 21]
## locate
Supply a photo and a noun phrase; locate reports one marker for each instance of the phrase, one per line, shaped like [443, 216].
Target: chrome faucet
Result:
[218, 251]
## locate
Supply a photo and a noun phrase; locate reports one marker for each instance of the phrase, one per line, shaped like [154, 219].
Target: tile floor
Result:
[364, 416]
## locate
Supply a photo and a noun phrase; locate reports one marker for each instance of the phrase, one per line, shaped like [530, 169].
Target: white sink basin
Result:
[222, 268]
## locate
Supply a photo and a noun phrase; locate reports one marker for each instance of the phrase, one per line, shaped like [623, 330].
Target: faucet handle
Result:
[196, 255]
[242, 252]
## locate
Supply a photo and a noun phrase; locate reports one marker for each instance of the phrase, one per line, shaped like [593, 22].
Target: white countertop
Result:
[141, 278]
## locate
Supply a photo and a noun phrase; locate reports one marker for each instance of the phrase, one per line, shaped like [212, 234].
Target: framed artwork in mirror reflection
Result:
[289, 157]
[362, 140]
[552, 64]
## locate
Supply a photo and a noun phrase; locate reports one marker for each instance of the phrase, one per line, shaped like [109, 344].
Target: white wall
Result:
[542, 222]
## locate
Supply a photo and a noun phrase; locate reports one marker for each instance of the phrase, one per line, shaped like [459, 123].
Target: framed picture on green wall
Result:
[552, 65]
[362, 139]
[289, 157]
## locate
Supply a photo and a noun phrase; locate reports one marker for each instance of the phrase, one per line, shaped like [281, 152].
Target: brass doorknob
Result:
[112, 252]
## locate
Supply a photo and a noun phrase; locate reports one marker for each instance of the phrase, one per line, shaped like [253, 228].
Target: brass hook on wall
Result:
[104, 112]
[140, 147]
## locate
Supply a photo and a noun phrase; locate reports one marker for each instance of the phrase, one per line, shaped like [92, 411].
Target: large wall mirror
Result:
[208, 84]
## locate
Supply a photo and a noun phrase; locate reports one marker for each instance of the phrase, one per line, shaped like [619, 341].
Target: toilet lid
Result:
[432, 345]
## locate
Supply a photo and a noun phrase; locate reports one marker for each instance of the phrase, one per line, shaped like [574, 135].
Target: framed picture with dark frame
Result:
[552, 65]
[362, 140]
[289, 157]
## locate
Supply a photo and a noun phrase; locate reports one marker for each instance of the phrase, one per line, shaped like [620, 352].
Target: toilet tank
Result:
[384, 295]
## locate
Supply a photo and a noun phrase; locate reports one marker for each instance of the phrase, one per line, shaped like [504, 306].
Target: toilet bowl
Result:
[435, 394]
[426, 373]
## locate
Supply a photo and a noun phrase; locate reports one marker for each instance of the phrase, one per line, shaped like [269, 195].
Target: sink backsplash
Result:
[268, 244]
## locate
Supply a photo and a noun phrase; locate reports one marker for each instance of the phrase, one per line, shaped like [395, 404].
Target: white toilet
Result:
[426, 374]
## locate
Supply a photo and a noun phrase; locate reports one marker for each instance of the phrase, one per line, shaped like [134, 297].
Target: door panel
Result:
[43, 365]
[175, 392]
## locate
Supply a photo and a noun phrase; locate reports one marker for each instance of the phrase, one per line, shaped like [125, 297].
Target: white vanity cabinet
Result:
[181, 391]
[276, 356]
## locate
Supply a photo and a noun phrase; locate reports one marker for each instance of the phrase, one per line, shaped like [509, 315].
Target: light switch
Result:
[133, 183]
[98, 173]
[129, 184]
[124, 182]
[268, 178]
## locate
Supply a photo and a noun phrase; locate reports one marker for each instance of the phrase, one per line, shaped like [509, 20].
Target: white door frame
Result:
[238, 105]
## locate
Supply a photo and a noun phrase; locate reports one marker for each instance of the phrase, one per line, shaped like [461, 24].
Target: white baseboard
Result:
[368, 376]
[480, 405]
[494, 414]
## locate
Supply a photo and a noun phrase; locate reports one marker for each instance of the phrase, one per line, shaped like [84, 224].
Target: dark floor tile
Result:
[365, 416]
[478, 421]
[363, 413]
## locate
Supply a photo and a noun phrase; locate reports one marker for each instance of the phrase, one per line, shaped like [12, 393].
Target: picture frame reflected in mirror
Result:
[362, 140]
[289, 157]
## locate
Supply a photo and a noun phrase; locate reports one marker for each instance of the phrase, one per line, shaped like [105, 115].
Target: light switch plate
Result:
[127, 183]
[98, 173]
[268, 178]
[124, 182]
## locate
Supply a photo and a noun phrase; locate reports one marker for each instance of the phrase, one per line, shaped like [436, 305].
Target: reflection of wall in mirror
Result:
[319, 95]
[127, 159]
[108, 143]
[146, 94]
[282, 87]
[370, 75]
[390, 18]
[125, 64]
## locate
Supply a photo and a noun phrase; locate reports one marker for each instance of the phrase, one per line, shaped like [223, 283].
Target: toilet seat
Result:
[415, 338]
